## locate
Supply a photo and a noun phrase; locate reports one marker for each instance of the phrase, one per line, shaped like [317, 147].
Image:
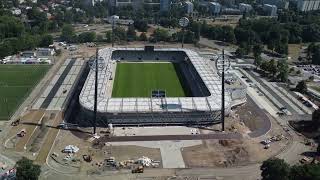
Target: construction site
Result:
[46, 132]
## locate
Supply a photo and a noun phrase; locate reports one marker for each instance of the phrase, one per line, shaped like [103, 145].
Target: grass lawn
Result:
[16, 82]
[139, 79]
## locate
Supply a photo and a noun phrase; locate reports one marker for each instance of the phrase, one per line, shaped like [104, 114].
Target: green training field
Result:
[16, 82]
[139, 79]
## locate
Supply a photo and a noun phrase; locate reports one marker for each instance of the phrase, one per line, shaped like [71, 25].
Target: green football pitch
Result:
[139, 79]
[16, 82]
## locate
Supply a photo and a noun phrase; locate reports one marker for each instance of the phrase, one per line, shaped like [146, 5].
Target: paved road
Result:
[279, 101]
[172, 137]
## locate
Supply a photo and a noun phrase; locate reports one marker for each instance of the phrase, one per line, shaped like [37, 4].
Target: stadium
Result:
[148, 86]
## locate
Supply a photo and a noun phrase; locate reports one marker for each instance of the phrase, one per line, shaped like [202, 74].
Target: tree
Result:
[257, 61]
[295, 32]
[272, 67]
[26, 170]
[189, 36]
[131, 33]
[310, 50]
[316, 55]
[240, 52]
[87, 37]
[143, 37]
[228, 34]
[311, 33]
[305, 172]
[120, 34]
[10, 27]
[283, 69]
[257, 50]
[68, 33]
[161, 35]
[302, 87]
[316, 118]
[275, 169]
[46, 40]
[109, 36]
[141, 25]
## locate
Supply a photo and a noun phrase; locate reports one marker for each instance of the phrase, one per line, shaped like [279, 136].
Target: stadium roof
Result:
[143, 105]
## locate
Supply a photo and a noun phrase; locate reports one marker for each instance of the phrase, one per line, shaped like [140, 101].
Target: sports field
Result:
[16, 82]
[139, 79]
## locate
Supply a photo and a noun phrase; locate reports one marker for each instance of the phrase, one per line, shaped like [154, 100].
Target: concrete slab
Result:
[170, 150]
[149, 131]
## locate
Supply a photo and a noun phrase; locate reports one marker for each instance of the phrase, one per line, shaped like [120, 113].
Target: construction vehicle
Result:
[87, 158]
[16, 122]
[22, 133]
[139, 169]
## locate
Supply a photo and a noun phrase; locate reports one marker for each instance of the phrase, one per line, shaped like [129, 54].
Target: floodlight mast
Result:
[222, 93]
[183, 22]
[182, 37]
[221, 69]
[95, 94]
[114, 18]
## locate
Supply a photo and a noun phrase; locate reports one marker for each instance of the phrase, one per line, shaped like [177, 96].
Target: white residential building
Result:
[270, 10]
[308, 5]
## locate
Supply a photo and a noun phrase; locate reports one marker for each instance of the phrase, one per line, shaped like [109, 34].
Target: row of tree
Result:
[313, 53]
[278, 169]
[16, 36]
[277, 70]
[121, 34]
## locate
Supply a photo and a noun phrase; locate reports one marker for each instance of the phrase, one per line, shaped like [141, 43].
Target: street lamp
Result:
[96, 66]
[114, 19]
[183, 22]
[221, 68]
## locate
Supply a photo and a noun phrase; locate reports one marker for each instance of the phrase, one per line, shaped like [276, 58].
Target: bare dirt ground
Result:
[294, 51]
[228, 153]
[19, 142]
[98, 153]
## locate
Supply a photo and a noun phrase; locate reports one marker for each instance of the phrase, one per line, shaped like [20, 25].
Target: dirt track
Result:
[49, 139]
[32, 117]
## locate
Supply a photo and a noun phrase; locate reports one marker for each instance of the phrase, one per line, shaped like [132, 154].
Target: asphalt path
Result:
[276, 96]
[171, 137]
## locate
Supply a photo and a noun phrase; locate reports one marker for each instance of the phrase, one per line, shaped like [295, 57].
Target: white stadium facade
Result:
[202, 109]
